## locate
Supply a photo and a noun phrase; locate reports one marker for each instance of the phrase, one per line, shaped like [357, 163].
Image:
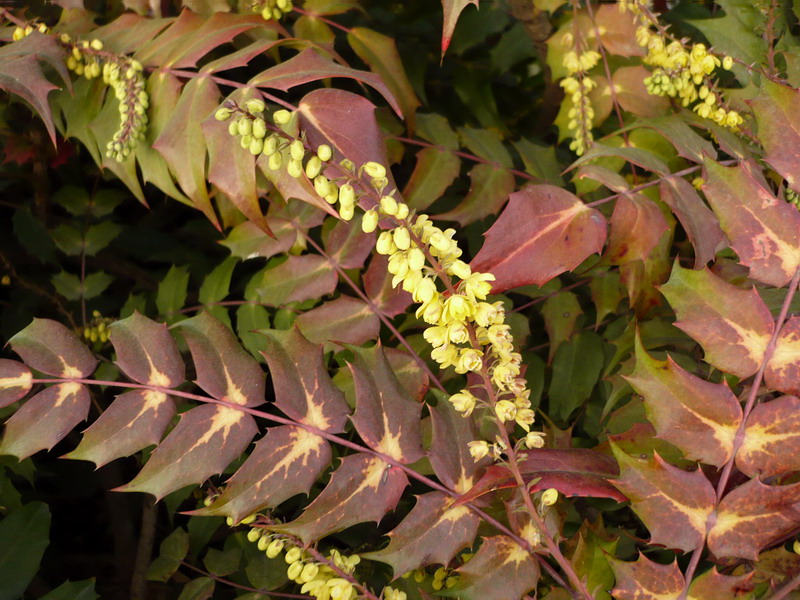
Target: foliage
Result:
[587, 387]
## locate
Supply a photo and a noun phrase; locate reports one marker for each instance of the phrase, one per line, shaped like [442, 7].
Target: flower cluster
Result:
[792, 197]
[680, 72]
[577, 86]
[125, 76]
[23, 32]
[272, 9]
[97, 330]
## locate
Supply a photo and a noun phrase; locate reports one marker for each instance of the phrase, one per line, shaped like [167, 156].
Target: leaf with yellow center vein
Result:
[16, 381]
[49, 347]
[783, 368]
[644, 579]
[771, 444]
[146, 351]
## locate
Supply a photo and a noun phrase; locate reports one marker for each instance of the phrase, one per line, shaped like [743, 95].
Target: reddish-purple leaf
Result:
[362, 489]
[771, 444]
[392, 301]
[346, 244]
[752, 516]
[489, 189]
[135, 420]
[699, 417]
[157, 48]
[220, 28]
[452, 10]
[223, 368]
[500, 570]
[632, 93]
[205, 441]
[239, 58]
[146, 352]
[646, 580]
[543, 232]
[701, 225]
[247, 240]
[130, 32]
[617, 31]
[432, 533]
[49, 347]
[289, 187]
[16, 381]
[449, 453]
[783, 368]
[344, 320]
[303, 389]
[731, 324]
[777, 110]
[45, 419]
[386, 417]
[285, 462]
[636, 227]
[673, 504]
[713, 584]
[763, 230]
[309, 66]
[298, 278]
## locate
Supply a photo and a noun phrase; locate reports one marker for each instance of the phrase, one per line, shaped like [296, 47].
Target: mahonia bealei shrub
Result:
[577, 86]
[681, 72]
[272, 10]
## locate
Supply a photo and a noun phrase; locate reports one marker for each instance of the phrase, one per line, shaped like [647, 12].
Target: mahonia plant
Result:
[612, 461]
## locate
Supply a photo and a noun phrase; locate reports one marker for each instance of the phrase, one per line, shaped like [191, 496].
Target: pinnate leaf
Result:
[344, 320]
[298, 278]
[777, 110]
[542, 232]
[223, 368]
[146, 352]
[732, 325]
[673, 504]
[644, 579]
[50, 347]
[699, 417]
[771, 444]
[763, 230]
[16, 381]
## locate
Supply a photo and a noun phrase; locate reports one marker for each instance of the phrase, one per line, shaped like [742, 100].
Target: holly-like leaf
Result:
[45, 419]
[542, 232]
[771, 444]
[346, 244]
[205, 441]
[673, 504]
[16, 380]
[560, 313]
[752, 516]
[435, 171]
[763, 230]
[432, 533]
[500, 570]
[644, 579]
[303, 389]
[285, 462]
[631, 91]
[298, 278]
[346, 320]
[699, 417]
[386, 418]
[247, 240]
[135, 420]
[49, 347]
[489, 189]
[713, 584]
[783, 368]
[701, 225]
[732, 325]
[449, 453]
[391, 301]
[24, 536]
[146, 352]
[452, 10]
[364, 488]
[223, 368]
[636, 226]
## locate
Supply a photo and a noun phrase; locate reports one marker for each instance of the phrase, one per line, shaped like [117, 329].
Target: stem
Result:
[787, 589]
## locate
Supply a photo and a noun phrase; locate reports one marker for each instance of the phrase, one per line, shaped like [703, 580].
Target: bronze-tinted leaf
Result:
[432, 533]
[449, 453]
[247, 240]
[435, 171]
[220, 28]
[542, 232]
[617, 31]
[489, 188]
[298, 278]
[500, 570]
[16, 380]
[701, 225]
[303, 389]
[362, 489]
[631, 91]
[673, 504]
[346, 244]
[699, 417]
[783, 368]
[135, 420]
[777, 110]
[732, 325]
[713, 584]
[45, 419]
[378, 286]
[205, 441]
[386, 417]
[49, 347]
[771, 444]
[636, 226]
[752, 516]
[346, 319]
[452, 10]
[763, 230]
[646, 580]
[285, 462]
[223, 368]
[146, 352]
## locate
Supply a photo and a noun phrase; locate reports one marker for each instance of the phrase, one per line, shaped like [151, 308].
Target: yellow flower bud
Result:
[274, 548]
[245, 126]
[346, 212]
[294, 570]
[370, 220]
[478, 449]
[385, 243]
[402, 239]
[255, 105]
[375, 170]
[464, 402]
[282, 117]
[254, 534]
[313, 167]
[259, 128]
[549, 497]
[264, 542]
[388, 205]
[275, 161]
[297, 150]
[505, 410]
[324, 152]
[293, 554]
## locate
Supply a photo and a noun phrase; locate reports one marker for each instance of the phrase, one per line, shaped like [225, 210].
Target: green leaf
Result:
[171, 295]
[73, 590]
[489, 189]
[223, 562]
[24, 535]
[576, 369]
[99, 236]
[435, 171]
[217, 284]
[172, 551]
[560, 312]
[33, 236]
[776, 110]
[486, 144]
[249, 319]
